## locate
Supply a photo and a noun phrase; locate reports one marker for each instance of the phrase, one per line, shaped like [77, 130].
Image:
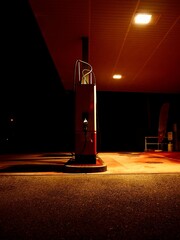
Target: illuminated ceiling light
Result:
[117, 76]
[142, 18]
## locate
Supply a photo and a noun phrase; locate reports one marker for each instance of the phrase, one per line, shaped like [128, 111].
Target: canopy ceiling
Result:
[148, 57]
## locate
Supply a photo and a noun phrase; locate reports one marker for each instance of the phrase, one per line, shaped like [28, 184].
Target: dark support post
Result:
[85, 49]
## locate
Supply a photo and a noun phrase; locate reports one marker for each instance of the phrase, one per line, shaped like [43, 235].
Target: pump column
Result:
[85, 123]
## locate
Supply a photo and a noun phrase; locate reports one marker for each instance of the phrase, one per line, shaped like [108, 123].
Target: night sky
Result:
[37, 113]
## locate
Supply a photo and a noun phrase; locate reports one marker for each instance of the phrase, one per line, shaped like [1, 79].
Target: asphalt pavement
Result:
[137, 197]
[90, 207]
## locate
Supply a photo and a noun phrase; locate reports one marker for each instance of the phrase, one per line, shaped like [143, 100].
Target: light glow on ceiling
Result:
[117, 76]
[142, 18]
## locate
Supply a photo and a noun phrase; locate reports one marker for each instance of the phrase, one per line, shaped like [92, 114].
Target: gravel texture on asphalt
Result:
[90, 206]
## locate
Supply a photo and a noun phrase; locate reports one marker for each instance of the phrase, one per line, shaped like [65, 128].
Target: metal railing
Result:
[153, 141]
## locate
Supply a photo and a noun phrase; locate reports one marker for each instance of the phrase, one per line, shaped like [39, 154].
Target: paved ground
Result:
[138, 197]
[121, 163]
[90, 207]
[142, 162]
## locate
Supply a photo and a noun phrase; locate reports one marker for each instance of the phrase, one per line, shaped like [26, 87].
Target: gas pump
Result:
[85, 113]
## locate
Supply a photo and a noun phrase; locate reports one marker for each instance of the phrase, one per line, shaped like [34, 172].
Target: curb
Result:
[72, 167]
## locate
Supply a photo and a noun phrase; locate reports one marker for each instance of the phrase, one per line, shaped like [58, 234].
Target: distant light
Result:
[12, 120]
[142, 18]
[117, 76]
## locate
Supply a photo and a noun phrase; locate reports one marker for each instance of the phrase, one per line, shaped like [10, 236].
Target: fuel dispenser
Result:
[85, 113]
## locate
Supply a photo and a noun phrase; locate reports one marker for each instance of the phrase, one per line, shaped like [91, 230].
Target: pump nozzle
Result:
[85, 125]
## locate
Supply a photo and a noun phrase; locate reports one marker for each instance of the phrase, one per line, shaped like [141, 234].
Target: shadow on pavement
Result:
[33, 168]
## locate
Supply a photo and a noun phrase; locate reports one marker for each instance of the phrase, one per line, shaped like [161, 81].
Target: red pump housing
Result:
[85, 114]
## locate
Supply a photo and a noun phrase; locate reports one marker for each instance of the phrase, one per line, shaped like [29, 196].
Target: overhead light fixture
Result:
[142, 18]
[117, 76]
